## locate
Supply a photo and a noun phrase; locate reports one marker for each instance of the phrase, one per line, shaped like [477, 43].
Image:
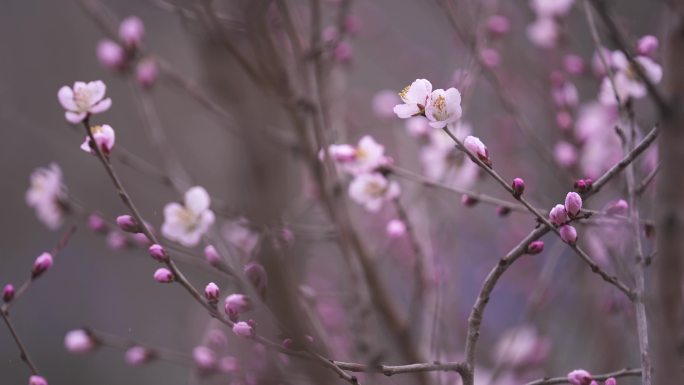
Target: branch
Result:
[599, 377]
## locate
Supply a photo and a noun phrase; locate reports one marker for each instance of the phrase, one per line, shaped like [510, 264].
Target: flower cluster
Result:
[440, 107]
[582, 377]
[545, 31]
[561, 215]
[47, 195]
[626, 83]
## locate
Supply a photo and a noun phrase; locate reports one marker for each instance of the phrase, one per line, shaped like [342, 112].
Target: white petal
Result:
[197, 199]
[101, 106]
[406, 110]
[66, 98]
[172, 212]
[97, 90]
[75, 117]
[418, 91]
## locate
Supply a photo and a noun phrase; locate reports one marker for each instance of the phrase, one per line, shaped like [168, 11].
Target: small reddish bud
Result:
[204, 358]
[128, 224]
[243, 329]
[146, 73]
[518, 187]
[468, 201]
[236, 304]
[573, 64]
[138, 355]
[97, 223]
[498, 25]
[535, 247]
[647, 45]
[131, 32]
[568, 234]
[158, 253]
[211, 255]
[558, 215]
[211, 292]
[163, 275]
[579, 377]
[111, 55]
[503, 211]
[41, 264]
[8, 293]
[79, 341]
[395, 229]
[619, 207]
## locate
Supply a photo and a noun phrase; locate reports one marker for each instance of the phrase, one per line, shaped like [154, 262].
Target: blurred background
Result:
[570, 318]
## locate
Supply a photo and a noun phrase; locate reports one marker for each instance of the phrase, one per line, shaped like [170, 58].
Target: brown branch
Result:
[599, 377]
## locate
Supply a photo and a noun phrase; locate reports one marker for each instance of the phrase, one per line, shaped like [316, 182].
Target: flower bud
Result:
[97, 223]
[37, 380]
[468, 201]
[236, 304]
[341, 153]
[610, 381]
[477, 148]
[568, 234]
[257, 276]
[647, 45]
[211, 292]
[146, 73]
[535, 247]
[228, 364]
[138, 355]
[503, 211]
[579, 377]
[132, 31]
[79, 341]
[41, 264]
[8, 293]
[343, 52]
[163, 275]
[498, 25]
[158, 253]
[490, 57]
[211, 255]
[518, 187]
[111, 55]
[583, 185]
[573, 64]
[573, 204]
[619, 207]
[204, 358]
[243, 329]
[395, 228]
[116, 240]
[558, 215]
[128, 224]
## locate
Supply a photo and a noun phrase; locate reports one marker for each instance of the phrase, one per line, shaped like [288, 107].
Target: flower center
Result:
[82, 98]
[375, 189]
[440, 104]
[188, 218]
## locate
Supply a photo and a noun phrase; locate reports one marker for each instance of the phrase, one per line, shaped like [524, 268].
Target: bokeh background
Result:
[47, 44]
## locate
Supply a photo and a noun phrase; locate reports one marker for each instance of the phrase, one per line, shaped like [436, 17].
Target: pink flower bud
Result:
[565, 154]
[41, 264]
[37, 380]
[610, 381]
[163, 275]
[568, 234]
[257, 276]
[158, 253]
[468, 201]
[573, 64]
[8, 293]
[228, 364]
[647, 45]
[216, 338]
[395, 228]
[573, 204]
[352, 24]
[518, 187]
[579, 377]
[558, 215]
[564, 120]
[341, 153]
[490, 57]
[583, 185]
[117, 240]
[617, 208]
[498, 25]
[79, 341]
[287, 235]
[211, 255]
[138, 355]
[535, 247]
[236, 304]
[343, 52]
[97, 223]
[477, 148]
[131, 31]
[204, 358]
[110, 55]
[503, 211]
[211, 292]
[243, 329]
[128, 224]
[146, 73]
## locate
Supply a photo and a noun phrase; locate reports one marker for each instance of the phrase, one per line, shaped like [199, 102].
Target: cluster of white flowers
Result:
[626, 83]
[369, 187]
[545, 31]
[47, 195]
[440, 107]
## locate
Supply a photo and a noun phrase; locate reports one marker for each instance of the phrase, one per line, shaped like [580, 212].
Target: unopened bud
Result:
[158, 253]
[535, 247]
[128, 224]
[518, 187]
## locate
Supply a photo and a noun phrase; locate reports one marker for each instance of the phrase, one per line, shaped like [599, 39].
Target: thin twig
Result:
[597, 377]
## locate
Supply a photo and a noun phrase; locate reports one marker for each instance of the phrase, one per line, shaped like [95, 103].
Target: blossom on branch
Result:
[83, 99]
[187, 223]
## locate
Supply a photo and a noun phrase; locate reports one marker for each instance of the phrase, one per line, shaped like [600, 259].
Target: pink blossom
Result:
[353, 24]
[573, 64]
[521, 346]
[146, 73]
[236, 304]
[417, 126]
[116, 240]
[565, 154]
[610, 381]
[211, 255]
[443, 107]
[204, 358]
[104, 138]
[498, 25]
[243, 329]
[163, 275]
[8, 292]
[579, 377]
[239, 234]
[543, 32]
[551, 8]
[647, 45]
[158, 253]
[83, 99]
[37, 380]
[137, 355]
[383, 103]
[372, 190]
[79, 342]
[211, 292]
[110, 55]
[187, 223]
[415, 99]
[565, 95]
[97, 223]
[47, 195]
[564, 120]
[42, 263]
[395, 228]
[626, 82]
[228, 364]
[558, 215]
[132, 31]
[490, 57]
[343, 52]
[568, 234]
[475, 146]
[619, 207]
[340, 153]
[573, 204]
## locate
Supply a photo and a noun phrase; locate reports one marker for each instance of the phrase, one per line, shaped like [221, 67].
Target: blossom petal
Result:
[101, 106]
[97, 90]
[66, 98]
[75, 117]
[197, 199]
[406, 110]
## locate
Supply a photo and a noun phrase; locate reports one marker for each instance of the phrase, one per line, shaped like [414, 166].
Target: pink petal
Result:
[406, 110]
[101, 106]
[75, 117]
[66, 98]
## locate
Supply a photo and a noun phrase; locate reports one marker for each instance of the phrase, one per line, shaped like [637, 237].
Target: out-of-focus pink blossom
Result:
[163, 275]
[257, 276]
[443, 107]
[353, 24]
[647, 45]
[132, 31]
[116, 240]
[243, 329]
[490, 57]
[468, 200]
[372, 190]
[579, 377]
[521, 346]
[239, 234]
[618, 207]
[138, 355]
[564, 120]
[79, 342]
[204, 358]
[610, 381]
[235, 304]
[565, 95]
[626, 82]
[228, 364]
[111, 55]
[104, 138]
[415, 99]
[47, 195]
[417, 126]
[383, 103]
[187, 223]
[565, 154]
[83, 99]
[97, 223]
[37, 380]
[573, 64]
[551, 8]
[543, 32]
[498, 25]
[211, 255]
[395, 228]
[601, 147]
[146, 73]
